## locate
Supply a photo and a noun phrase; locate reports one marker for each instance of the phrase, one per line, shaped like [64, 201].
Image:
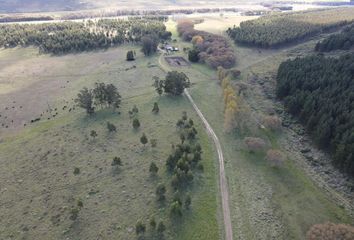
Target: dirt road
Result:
[222, 178]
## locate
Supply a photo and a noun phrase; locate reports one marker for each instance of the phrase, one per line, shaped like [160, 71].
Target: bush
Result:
[130, 56]
[111, 127]
[254, 144]
[330, 231]
[275, 157]
[272, 122]
[193, 55]
[136, 123]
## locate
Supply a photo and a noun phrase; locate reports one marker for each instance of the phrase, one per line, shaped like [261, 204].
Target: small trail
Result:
[222, 177]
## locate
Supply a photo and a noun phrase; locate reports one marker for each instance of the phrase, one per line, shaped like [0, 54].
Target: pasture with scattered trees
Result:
[278, 29]
[320, 91]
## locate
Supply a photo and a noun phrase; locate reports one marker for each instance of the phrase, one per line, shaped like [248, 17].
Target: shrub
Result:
[272, 122]
[254, 144]
[111, 127]
[136, 123]
[330, 231]
[275, 157]
[116, 161]
[130, 56]
[76, 171]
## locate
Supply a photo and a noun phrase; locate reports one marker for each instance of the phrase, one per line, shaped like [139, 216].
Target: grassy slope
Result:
[37, 182]
[266, 202]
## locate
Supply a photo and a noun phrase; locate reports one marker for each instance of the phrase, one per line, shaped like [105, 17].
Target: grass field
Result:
[267, 203]
[38, 186]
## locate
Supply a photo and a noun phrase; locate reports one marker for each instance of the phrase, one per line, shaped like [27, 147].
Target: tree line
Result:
[320, 92]
[342, 41]
[212, 49]
[276, 30]
[65, 37]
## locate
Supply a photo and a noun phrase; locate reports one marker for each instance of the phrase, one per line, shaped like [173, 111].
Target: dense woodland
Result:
[276, 30]
[320, 92]
[65, 37]
[212, 49]
[342, 41]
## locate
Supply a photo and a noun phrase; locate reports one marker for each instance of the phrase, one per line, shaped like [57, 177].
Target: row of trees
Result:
[275, 30]
[320, 92]
[343, 41]
[212, 49]
[65, 37]
[102, 95]
[236, 111]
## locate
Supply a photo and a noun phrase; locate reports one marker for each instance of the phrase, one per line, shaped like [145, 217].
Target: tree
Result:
[176, 209]
[153, 169]
[76, 171]
[130, 55]
[153, 143]
[188, 201]
[85, 100]
[160, 192]
[158, 85]
[275, 157]
[175, 83]
[93, 134]
[155, 109]
[254, 144]
[116, 161]
[153, 223]
[111, 127]
[149, 44]
[144, 139]
[161, 228]
[330, 231]
[193, 55]
[136, 123]
[140, 227]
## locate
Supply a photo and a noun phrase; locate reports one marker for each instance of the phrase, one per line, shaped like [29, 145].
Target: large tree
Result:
[149, 44]
[175, 83]
[85, 100]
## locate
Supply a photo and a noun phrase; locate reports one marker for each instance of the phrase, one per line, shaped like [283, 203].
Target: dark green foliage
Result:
[159, 85]
[160, 192]
[136, 123]
[175, 83]
[93, 134]
[140, 227]
[144, 140]
[111, 127]
[153, 143]
[116, 161]
[153, 168]
[275, 30]
[106, 95]
[193, 55]
[80, 204]
[76, 171]
[153, 223]
[156, 108]
[149, 44]
[188, 201]
[343, 41]
[85, 100]
[176, 209]
[135, 109]
[77, 37]
[320, 91]
[161, 228]
[130, 56]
